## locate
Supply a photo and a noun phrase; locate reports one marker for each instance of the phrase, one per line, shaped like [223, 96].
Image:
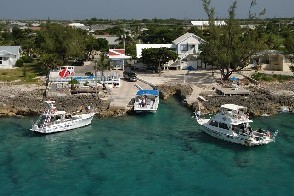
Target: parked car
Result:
[78, 62]
[130, 75]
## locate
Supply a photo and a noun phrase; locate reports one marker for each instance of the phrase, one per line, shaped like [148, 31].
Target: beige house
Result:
[275, 62]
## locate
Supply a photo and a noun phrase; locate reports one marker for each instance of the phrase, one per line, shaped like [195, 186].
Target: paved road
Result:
[88, 67]
[121, 97]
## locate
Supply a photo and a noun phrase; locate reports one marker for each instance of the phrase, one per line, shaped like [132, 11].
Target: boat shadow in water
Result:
[202, 137]
[134, 113]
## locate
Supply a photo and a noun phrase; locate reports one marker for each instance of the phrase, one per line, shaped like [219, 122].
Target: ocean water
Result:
[153, 154]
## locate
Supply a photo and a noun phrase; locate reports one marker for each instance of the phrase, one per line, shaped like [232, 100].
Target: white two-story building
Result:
[187, 48]
[8, 56]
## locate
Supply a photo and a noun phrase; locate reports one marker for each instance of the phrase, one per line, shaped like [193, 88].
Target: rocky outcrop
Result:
[32, 103]
[260, 101]
[183, 90]
[17, 101]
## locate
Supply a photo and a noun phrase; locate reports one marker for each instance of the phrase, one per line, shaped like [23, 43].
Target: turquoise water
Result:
[155, 154]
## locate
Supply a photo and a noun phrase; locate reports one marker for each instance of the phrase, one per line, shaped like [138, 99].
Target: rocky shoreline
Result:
[28, 100]
[264, 99]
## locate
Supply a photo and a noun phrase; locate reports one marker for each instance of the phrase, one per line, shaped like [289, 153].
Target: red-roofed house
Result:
[118, 56]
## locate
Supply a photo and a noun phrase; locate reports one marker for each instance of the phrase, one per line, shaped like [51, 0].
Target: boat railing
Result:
[237, 115]
[148, 104]
[275, 135]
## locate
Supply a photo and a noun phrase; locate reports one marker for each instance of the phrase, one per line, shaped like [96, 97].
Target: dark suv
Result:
[130, 76]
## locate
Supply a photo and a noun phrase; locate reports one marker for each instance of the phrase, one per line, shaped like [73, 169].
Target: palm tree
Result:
[101, 65]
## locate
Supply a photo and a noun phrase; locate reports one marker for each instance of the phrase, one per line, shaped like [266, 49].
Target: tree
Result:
[289, 43]
[63, 42]
[229, 47]
[102, 64]
[161, 35]
[73, 83]
[48, 62]
[17, 35]
[289, 49]
[156, 57]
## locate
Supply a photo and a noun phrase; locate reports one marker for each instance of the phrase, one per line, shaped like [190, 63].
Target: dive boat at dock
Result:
[52, 120]
[232, 124]
[146, 101]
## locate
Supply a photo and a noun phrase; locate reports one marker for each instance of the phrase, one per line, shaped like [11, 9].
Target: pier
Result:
[121, 98]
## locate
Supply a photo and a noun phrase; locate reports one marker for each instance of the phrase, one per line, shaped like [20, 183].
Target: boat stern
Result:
[266, 139]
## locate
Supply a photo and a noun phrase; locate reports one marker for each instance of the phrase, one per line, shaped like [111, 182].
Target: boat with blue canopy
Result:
[146, 101]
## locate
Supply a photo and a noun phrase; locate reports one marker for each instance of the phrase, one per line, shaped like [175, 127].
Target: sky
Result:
[135, 9]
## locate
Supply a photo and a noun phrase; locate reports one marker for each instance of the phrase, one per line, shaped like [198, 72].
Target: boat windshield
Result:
[240, 127]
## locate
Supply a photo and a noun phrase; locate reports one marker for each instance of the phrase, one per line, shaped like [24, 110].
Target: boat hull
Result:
[141, 110]
[147, 108]
[77, 122]
[232, 124]
[237, 139]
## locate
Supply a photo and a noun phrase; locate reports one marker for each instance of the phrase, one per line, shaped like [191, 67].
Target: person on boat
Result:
[250, 131]
[143, 102]
[140, 101]
[197, 114]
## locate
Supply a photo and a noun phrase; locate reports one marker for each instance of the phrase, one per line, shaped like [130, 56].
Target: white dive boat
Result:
[231, 124]
[146, 101]
[52, 120]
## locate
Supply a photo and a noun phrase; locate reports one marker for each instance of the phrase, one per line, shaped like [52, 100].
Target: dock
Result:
[121, 97]
[232, 91]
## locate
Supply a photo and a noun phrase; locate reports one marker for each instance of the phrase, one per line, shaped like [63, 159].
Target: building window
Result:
[184, 47]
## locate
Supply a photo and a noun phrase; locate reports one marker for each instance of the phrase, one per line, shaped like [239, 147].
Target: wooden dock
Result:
[232, 91]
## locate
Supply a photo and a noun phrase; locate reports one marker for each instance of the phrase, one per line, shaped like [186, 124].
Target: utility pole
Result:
[123, 61]
[95, 70]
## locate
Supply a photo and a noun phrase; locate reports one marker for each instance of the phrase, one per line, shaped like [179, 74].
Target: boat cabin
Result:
[232, 118]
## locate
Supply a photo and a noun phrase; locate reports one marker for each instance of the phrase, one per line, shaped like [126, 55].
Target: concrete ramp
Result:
[122, 97]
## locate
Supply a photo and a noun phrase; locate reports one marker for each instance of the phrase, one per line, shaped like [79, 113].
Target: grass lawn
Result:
[271, 77]
[21, 75]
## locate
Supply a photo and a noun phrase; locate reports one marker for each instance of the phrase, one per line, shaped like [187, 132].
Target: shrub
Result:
[27, 59]
[275, 77]
[292, 68]
[89, 73]
[19, 63]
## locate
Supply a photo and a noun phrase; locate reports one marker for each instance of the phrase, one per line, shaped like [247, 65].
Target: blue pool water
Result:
[154, 154]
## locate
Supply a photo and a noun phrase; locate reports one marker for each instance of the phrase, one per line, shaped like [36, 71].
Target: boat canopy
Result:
[147, 92]
[232, 107]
